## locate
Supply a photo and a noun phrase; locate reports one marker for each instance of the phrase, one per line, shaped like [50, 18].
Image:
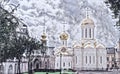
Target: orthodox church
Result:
[63, 54]
[88, 54]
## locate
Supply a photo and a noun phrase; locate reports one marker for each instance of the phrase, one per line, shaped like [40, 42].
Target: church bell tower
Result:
[87, 28]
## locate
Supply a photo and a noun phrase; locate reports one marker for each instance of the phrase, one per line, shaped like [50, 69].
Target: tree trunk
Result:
[29, 65]
[19, 71]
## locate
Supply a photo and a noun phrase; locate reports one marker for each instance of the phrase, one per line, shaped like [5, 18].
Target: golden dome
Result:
[87, 21]
[43, 36]
[64, 36]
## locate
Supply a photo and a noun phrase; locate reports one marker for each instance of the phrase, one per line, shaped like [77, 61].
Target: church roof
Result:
[89, 44]
[63, 50]
[64, 36]
[87, 21]
[110, 50]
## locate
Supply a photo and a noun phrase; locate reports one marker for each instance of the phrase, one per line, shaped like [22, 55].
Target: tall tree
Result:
[31, 44]
[114, 5]
[8, 24]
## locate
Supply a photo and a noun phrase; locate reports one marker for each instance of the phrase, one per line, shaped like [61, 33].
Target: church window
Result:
[10, 69]
[107, 58]
[69, 64]
[82, 33]
[112, 58]
[90, 32]
[93, 59]
[57, 64]
[93, 32]
[112, 65]
[16, 68]
[63, 64]
[85, 33]
[86, 59]
[107, 65]
[90, 59]
[76, 59]
[100, 59]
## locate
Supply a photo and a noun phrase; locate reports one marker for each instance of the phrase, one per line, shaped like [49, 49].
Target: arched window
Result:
[63, 64]
[69, 64]
[10, 69]
[76, 59]
[101, 59]
[36, 64]
[82, 33]
[85, 33]
[90, 33]
[46, 65]
[40, 64]
[90, 59]
[86, 59]
[94, 59]
[15, 68]
[57, 64]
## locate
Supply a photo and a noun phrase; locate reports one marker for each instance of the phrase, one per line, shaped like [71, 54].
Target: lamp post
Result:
[60, 63]
[114, 58]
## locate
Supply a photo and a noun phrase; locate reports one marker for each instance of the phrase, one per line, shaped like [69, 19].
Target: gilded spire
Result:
[44, 25]
[64, 27]
[44, 21]
[87, 20]
[64, 35]
[87, 15]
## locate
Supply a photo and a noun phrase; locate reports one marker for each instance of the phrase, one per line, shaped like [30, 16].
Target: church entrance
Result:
[10, 69]
[37, 64]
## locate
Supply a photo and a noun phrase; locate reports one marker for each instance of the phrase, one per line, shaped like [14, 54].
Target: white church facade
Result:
[88, 54]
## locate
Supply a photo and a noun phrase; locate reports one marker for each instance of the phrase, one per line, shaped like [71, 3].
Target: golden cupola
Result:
[64, 36]
[87, 21]
[43, 36]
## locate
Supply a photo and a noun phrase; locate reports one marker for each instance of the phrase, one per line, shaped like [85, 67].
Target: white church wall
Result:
[7, 69]
[66, 62]
[89, 59]
[77, 58]
[102, 58]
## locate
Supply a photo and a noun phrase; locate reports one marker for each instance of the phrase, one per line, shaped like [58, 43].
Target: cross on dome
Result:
[87, 15]
[87, 20]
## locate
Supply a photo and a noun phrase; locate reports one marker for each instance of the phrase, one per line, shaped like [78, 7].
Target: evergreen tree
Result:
[11, 45]
[114, 5]
[19, 46]
[31, 44]
[8, 24]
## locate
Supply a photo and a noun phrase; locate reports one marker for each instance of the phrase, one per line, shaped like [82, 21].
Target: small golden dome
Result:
[87, 21]
[64, 36]
[43, 36]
